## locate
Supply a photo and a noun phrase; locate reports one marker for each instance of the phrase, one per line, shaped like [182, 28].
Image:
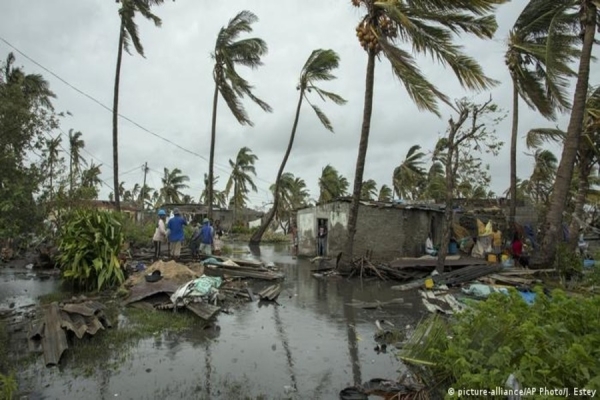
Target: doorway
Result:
[322, 235]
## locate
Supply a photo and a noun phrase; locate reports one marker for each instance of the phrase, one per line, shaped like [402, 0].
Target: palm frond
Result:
[535, 138]
[247, 52]
[234, 103]
[336, 98]
[322, 117]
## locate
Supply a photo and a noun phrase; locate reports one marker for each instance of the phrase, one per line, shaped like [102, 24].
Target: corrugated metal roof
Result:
[385, 204]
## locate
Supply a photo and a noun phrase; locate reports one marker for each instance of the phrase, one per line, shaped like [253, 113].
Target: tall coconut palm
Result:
[385, 194]
[369, 190]
[173, 182]
[76, 160]
[435, 188]
[292, 195]
[541, 45]
[589, 19]
[331, 184]
[52, 155]
[318, 68]
[240, 180]
[145, 196]
[430, 27]
[229, 53]
[90, 179]
[409, 175]
[128, 34]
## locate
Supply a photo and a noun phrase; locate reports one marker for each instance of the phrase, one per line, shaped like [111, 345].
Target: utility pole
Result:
[142, 192]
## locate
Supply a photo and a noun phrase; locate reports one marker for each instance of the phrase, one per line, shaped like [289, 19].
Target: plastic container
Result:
[452, 248]
[504, 258]
[429, 283]
[491, 258]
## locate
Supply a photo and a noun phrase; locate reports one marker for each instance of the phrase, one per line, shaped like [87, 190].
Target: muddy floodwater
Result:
[309, 347]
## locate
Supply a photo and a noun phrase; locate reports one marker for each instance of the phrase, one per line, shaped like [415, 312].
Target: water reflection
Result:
[311, 341]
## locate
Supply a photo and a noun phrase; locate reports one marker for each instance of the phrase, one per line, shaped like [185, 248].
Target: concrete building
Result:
[198, 212]
[387, 230]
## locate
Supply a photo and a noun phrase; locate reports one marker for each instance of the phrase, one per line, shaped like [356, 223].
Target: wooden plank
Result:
[268, 276]
[203, 310]
[54, 340]
[251, 294]
[511, 279]
[519, 272]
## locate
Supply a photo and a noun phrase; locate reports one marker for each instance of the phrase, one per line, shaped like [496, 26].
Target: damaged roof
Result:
[385, 204]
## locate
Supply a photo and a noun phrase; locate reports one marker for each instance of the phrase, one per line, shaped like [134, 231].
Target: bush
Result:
[138, 235]
[553, 343]
[8, 386]
[90, 243]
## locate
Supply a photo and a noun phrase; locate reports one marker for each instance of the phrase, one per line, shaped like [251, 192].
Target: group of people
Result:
[205, 239]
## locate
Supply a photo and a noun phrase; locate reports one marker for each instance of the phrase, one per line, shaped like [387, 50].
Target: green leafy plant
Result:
[568, 263]
[553, 343]
[90, 243]
[8, 386]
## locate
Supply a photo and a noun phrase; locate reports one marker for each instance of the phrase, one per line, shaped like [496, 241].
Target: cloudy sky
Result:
[169, 93]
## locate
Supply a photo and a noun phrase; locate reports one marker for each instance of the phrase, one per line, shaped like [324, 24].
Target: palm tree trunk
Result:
[257, 237]
[211, 162]
[115, 116]
[582, 190]
[513, 158]
[564, 174]
[360, 161]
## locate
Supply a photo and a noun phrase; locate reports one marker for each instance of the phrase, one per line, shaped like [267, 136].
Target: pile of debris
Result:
[78, 318]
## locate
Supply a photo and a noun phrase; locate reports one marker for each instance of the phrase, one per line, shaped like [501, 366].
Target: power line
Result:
[223, 168]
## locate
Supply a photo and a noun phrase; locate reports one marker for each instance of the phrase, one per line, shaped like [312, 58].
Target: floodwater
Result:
[309, 347]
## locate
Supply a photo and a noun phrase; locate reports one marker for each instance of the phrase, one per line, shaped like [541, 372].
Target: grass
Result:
[4, 364]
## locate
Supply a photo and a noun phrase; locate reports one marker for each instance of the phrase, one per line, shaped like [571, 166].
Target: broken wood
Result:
[251, 294]
[377, 304]
[249, 273]
[271, 293]
[203, 310]
[54, 339]
[511, 280]
[519, 272]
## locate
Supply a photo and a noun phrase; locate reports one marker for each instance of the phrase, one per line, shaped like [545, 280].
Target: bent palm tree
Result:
[317, 68]
[385, 194]
[540, 49]
[369, 190]
[408, 176]
[173, 182]
[128, 33]
[589, 18]
[331, 184]
[229, 53]
[240, 179]
[430, 27]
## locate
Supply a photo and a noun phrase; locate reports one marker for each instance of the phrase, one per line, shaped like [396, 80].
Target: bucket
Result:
[491, 258]
[452, 248]
[429, 283]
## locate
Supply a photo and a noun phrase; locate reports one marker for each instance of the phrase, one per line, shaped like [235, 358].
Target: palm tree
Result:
[173, 183]
[145, 196]
[435, 188]
[589, 19]
[318, 68]
[409, 176]
[429, 27]
[90, 179]
[128, 33]
[331, 184]
[540, 49]
[292, 195]
[385, 194]
[75, 157]
[240, 179]
[369, 190]
[52, 158]
[187, 199]
[229, 53]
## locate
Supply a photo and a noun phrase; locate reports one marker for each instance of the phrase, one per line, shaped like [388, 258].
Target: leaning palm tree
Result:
[385, 194]
[409, 175]
[76, 160]
[331, 184]
[589, 19]
[369, 190]
[128, 34]
[173, 183]
[318, 68]
[240, 179]
[540, 48]
[229, 53]
[430, 27]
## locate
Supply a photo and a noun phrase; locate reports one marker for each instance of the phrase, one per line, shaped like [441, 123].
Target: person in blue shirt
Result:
[207, 235]
[175, 227]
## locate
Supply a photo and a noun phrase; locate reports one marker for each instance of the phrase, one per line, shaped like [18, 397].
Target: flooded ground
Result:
[309, 347]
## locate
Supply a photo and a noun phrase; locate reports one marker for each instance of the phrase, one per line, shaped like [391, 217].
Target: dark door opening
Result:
[322, 234]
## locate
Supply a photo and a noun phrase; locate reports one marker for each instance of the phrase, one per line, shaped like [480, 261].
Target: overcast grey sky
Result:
[170, 91]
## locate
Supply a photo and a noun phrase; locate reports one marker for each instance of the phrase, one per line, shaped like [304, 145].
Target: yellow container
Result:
[429, 283]
[504, 257]
[492, 259]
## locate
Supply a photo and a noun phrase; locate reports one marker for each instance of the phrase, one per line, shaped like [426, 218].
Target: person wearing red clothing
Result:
[517, 251]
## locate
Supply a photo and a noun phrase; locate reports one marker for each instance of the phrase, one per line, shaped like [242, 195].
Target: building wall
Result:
[387, 232]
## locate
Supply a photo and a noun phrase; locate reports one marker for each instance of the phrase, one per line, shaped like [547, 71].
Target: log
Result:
[54, 340]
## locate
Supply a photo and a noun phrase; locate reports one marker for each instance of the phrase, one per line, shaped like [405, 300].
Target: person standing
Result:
[176, 234]
[207, 236]
[517, 251]
[195, 240]
[160, 233]
[322, 239]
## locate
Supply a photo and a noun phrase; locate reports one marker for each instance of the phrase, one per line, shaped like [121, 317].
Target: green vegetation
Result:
[89, 249]
[8, 383]
[553, 343]
[139, 235]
